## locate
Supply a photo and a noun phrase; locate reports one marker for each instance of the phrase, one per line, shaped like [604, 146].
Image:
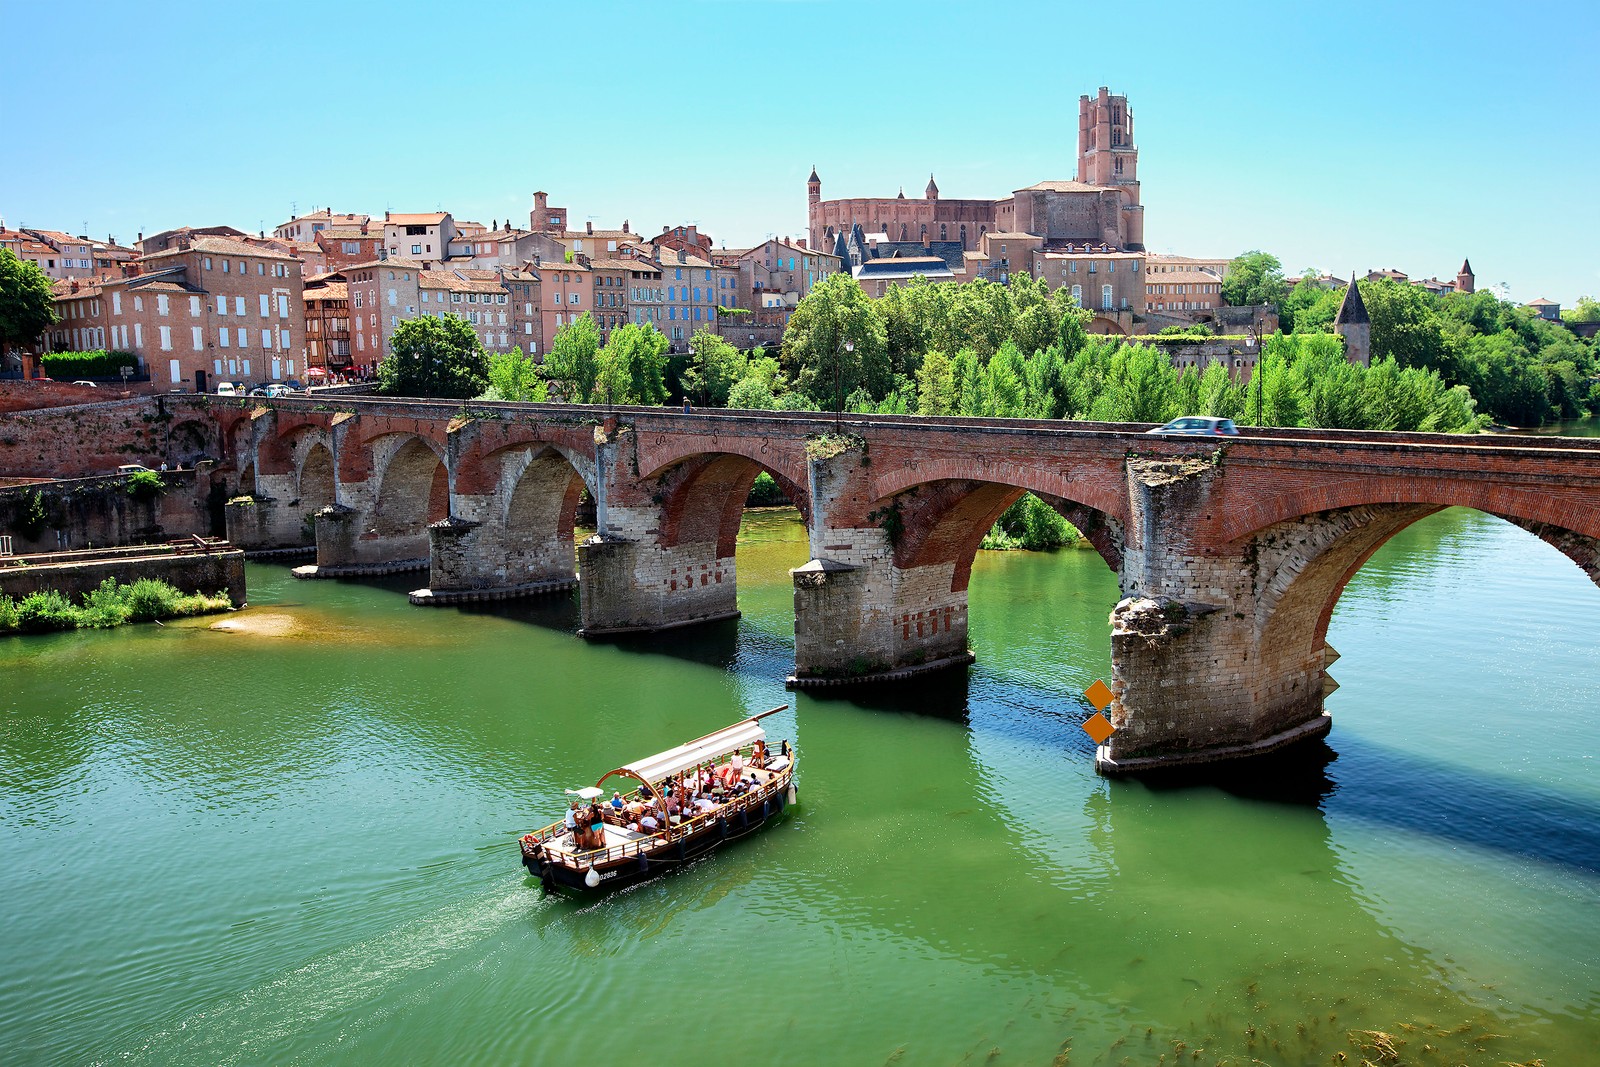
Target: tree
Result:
[514, 376]
[1586, 310]
[572, 359]
[27, 306]
[936, 385]
[1406, 325]
[752, 393]
[715, 367]
[1310, 308]
[633, 366]
[1254, 278]
[1220, 395]
[431, 357]
[834, 313]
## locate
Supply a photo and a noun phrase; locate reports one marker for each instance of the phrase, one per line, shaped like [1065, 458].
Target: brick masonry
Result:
[1230, 555]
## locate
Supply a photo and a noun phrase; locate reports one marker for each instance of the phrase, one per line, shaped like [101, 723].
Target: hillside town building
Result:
[209, 308]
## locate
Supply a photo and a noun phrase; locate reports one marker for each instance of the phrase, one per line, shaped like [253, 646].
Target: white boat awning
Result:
[710, 747]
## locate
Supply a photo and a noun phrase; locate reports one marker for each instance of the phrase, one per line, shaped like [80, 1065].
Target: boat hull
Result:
[668, 856]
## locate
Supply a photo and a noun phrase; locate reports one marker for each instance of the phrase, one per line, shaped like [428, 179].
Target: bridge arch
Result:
[702, 497]
[413, 485]
[189, 441]
[943, 520]
[1304, 564]
[542, 487]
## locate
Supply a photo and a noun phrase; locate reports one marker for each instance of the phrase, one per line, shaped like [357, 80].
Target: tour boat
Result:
[629, 852]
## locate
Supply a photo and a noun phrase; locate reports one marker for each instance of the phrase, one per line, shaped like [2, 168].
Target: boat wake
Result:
[260, 1025]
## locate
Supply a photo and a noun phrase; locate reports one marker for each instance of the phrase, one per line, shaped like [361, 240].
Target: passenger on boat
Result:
[758, 753]
[616, 801]
[572, 817]
[704, 802]
[649, 824]
[597, 828]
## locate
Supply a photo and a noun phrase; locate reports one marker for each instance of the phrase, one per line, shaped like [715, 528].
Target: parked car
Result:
[227, 389]
[131, 468]
[91, 385]
[1198, 425]
[271, 389]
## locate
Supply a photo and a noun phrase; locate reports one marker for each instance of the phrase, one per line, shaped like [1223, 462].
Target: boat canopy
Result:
[710, 747]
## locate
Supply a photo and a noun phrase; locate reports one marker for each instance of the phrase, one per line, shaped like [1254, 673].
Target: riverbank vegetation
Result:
[111, 604]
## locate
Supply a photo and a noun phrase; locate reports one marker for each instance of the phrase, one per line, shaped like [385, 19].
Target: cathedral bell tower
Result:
[1108, 157]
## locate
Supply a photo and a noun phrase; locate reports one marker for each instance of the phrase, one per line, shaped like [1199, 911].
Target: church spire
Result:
[1351, 310]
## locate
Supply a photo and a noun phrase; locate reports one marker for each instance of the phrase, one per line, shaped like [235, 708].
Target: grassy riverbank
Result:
[112, 604]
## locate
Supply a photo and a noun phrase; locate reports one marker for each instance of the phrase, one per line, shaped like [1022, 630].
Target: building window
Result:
[416, 250]
[1077, 295]
[1106, 303]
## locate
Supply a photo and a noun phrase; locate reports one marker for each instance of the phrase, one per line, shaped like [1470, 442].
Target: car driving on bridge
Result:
[1199, 425]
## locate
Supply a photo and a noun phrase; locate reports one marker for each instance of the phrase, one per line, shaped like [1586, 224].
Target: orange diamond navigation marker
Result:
[1098, 727]
[1099, 695]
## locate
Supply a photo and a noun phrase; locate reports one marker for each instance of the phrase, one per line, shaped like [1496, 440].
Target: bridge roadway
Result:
[1230, 552]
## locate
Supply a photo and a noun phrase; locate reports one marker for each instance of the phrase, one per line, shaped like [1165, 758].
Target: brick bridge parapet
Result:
[1230, 552]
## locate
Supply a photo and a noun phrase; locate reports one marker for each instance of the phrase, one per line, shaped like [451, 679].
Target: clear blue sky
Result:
[1345, 135]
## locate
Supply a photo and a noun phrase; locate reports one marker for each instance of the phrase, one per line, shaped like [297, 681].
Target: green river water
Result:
[298, 845]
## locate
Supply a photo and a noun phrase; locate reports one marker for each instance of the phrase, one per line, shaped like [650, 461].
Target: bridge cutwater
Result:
[1231, 553]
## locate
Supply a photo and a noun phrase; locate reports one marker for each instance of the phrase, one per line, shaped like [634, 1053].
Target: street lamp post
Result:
[838, 385]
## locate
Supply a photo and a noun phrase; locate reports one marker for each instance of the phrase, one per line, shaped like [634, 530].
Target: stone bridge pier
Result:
[1202, 669]
[663, 551]
[861, 612]
[513, 507]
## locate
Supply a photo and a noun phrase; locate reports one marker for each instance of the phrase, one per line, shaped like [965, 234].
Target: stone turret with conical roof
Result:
[841, 248]
[932, 191]
[1465, 282]
[813, 186]
[1355, 326]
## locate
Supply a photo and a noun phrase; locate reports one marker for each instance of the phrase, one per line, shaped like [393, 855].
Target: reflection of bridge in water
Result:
[1231, 553]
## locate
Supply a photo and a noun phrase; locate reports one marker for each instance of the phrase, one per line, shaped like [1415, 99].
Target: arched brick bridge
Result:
[1231, 554]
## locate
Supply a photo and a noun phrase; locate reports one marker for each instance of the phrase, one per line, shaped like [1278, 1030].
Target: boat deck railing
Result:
[687, 827]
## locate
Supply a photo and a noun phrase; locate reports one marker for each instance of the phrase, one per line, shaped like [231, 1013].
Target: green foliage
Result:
[145, 485]
[573, 363]
[835, 313]
[752, 394]
[1586, 310]
[108, 605]
[766, 493]
[1033, 525]
[1254, 278]
[68, 366]
[27, 304]
[1309, 308]
[715, 367]
[632, 367]
[434, 357]
[936, 385]
[515, 376]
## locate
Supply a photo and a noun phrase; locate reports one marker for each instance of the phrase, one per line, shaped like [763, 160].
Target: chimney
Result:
[589, 228]
[666, 229]
[386, 215]
[74, 285]
[625, 226]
